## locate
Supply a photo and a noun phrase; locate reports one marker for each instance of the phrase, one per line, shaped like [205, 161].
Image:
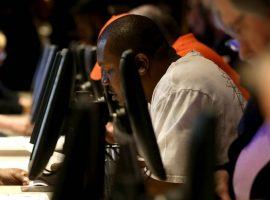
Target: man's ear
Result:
[142, 63]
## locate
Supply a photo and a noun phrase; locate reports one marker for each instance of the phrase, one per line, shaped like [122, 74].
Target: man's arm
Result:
[155, 187]
[222, 184]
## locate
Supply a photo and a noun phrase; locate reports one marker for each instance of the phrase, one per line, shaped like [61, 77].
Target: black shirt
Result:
[9, 101]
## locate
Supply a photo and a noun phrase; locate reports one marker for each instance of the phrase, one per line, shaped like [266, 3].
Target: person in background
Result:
[11, 103]
[90, 16]
[246, 175]
[23, 45]
[178, 89]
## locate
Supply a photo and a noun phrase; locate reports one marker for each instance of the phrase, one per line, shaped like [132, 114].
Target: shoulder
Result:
[192, 71]
[180, 99]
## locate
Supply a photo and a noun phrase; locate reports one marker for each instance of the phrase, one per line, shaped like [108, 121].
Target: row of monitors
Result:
[54, 90]
[53, 94]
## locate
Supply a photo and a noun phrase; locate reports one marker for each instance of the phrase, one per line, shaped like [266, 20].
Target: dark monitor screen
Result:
[41, 63]
[41, 79]
[82, 173]
[62, 82]
[43, 101]
[90, 53]
[79, 58]
[138, 114]
[85, 59]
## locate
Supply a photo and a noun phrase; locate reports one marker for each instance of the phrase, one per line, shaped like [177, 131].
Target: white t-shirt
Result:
[190, 85]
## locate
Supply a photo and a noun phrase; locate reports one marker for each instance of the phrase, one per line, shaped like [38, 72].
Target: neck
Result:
[160, 67]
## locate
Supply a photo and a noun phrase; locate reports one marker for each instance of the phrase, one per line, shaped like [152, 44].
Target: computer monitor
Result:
[90, 62]
[85, 60]
[90, 53]
[79, 59]
[41, 79]
[61, 85]
[137, 110]
[40, 65]
[44, 98]
[82, 173]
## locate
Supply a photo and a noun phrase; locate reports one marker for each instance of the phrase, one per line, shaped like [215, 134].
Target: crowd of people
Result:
[186, 66]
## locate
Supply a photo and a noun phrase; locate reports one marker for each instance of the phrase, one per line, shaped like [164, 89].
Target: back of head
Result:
[260, 7]
[84, 7]
[162, 18]
[134, 32]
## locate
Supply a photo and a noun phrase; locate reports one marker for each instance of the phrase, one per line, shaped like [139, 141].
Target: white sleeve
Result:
[173, 120]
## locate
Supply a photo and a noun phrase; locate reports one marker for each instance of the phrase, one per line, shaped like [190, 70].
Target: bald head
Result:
[134, 32]
[153, 54]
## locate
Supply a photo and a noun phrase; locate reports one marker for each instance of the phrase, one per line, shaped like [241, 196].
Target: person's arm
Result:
[155, 187]
[222, 184]
[19, 124]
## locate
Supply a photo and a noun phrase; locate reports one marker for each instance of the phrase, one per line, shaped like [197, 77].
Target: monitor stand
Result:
[37, 186]
[44, 183]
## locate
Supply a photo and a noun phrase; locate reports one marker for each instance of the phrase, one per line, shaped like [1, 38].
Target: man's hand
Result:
[12, 176]
[26, 103]
[23, 127]
[110, 133]
[222, 184]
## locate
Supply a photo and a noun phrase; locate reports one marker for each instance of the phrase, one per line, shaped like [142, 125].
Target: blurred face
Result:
[110, 71]
[250, 30]
[261, 83]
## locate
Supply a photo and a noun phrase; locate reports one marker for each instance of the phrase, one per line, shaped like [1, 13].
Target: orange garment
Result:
[188, 42]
